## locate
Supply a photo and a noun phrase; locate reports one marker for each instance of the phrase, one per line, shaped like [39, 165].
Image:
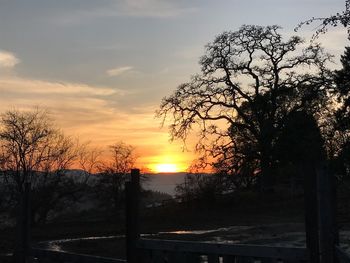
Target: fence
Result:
[49, 256]
[321, 236]
[320, 224]
[182, 251]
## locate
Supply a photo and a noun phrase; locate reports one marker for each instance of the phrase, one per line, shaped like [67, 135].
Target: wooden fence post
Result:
[334, 201]
[23, 247]
[320, 213]
[311, 212]
[132, 190]
[327, 211]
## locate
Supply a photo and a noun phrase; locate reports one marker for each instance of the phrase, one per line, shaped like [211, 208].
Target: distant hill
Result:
[164, 182]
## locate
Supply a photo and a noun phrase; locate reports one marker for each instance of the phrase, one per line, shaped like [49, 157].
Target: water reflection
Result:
[235, 234]
[56, 245]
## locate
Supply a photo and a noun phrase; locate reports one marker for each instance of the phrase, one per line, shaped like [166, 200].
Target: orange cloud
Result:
[86, 112]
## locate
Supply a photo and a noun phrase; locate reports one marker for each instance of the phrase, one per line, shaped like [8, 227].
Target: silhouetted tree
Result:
[300, 140]
[25, 139]
[89, 160]
[342, 81]
[33, 151]
[299, 145]
[113, 174]
[342, 114]
[342, 18]
[250, 81]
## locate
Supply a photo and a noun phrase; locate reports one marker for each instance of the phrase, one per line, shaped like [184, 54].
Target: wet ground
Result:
[282, 235]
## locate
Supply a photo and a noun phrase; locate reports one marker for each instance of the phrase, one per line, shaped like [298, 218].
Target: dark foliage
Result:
[342, 81]
[341, 163]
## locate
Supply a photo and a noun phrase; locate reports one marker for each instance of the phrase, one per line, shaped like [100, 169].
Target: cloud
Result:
[77, 102]
[76, 107]
[155, 8]
[40, 87]
[127, 8]
[91, 113]
[118, 71]
[8, 59]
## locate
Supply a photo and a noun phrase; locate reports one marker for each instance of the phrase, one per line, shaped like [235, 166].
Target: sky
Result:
[101, 67]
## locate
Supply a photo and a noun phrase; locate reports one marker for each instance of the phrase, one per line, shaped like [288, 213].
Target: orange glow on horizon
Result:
[166, 168]
[167, 161]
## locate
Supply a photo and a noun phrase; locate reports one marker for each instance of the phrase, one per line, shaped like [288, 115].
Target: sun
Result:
[166, 168]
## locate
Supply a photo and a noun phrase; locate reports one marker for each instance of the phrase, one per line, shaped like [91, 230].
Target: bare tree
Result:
[114, 173]
[250, 81]
[341, 126]
[52, 188]
[89, 160]
[340, 18]
[25, 139]
[35, 153]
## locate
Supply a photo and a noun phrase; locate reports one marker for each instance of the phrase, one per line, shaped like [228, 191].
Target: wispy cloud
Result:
[40, 87]
[128, 8]
[118, 71]
[8, 59]
[76, 98]
[75, 105]
[87, 112]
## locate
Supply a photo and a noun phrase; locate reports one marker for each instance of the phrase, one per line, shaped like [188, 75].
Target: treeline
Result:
[62, 173]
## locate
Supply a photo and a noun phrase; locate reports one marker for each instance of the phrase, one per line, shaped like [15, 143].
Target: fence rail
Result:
[215, 251]
[342, 256]
[321, 236]
[51, 256]
[161, 251]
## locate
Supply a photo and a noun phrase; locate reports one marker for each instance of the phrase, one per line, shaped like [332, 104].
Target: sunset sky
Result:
[101, 67]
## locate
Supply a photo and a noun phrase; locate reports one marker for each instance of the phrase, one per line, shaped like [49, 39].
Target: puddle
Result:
[56, 245]
[280, 235]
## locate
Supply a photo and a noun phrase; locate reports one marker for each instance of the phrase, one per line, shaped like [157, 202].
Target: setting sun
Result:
[166, 168]
[169, 161]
